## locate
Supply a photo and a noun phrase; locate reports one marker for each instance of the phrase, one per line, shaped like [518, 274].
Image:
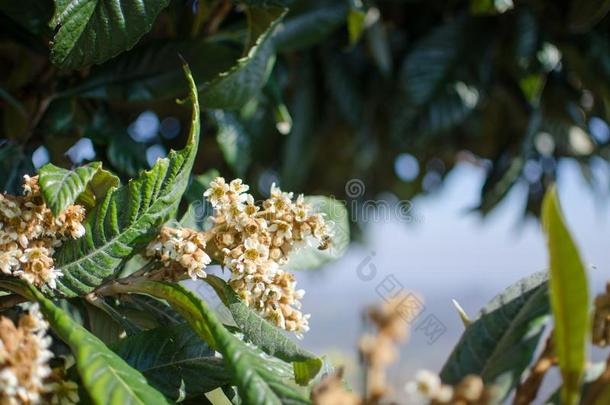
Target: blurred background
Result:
[460, 112]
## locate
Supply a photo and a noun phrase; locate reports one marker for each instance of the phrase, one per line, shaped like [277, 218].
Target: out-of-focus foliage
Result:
[312, 93]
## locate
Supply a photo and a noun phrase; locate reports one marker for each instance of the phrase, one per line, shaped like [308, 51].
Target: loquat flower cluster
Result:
[254, 242]
[180, 249]
[25, 375]
[29, 234]
[379, 351]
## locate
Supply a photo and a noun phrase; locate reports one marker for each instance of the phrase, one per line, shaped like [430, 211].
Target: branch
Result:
[598, 386]
[528, 389]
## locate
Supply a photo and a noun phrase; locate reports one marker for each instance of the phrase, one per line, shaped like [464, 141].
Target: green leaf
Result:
[233, 88]
[264, 335]
[93, 31]
[429, 64]
[174, 360]
[500, 344]
[126, 155]
[152, 71]
[490, 7]
[128, 217]
[507, 169]
[105, 376]
[379, 46]
[309, 27]
[569, 298]
[60, 187]
[260, 379]
[97, 188]
[301, 146]
[355, 24]
[592, 373]
[160, 310]
[102, 325]
[310, 257]
[233, 140]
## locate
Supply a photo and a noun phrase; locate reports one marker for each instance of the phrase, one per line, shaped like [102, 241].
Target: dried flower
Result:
[330, 391]
[601, 319]
[379, 351]
[24, 354]
[29, 234]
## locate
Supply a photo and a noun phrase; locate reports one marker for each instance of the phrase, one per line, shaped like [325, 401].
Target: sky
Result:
[448, 253]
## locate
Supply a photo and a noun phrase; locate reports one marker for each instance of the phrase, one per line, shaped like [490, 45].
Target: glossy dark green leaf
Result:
[102, 325]
[152, 72]
[260, 379]
[233, 88]
[500, 344]
[107, 378]
[301, 145]
[569, 293]
[507, 169]
[233, 140]
[266, 336]
[309, 27]
[126, 155]
[127, 218]
[428, 65]
[93, 31]
[174, 360]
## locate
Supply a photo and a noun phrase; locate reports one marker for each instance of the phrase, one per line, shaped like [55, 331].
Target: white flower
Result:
[428, 383]
[217, 193]
[278, 201]
[254, 251]
[9, 259]
[238, 187]
[281, 229]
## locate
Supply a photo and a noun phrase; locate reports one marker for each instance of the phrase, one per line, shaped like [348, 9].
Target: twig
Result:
[218, 15]
[528, 389]
[10, 301]
[598, 386]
